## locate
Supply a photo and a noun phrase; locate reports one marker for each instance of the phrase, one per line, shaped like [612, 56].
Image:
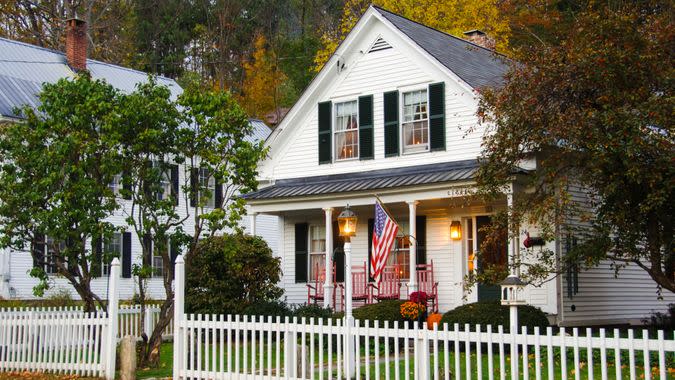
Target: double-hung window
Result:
[165, 184]
[112, 248]
[51, 254]
[317, 251]
[400, 255]
[346, 131]
[208, 185]
[157, 264]
[415, 121]
[115, 184]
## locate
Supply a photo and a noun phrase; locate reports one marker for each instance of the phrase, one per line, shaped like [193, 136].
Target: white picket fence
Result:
[129, 317]
[224, 347]
[62, 341]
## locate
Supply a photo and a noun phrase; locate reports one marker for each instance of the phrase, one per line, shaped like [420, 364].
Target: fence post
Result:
[178, 314]
[113, 309]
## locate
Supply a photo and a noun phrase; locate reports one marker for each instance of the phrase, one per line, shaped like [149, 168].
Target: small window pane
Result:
[346, 131]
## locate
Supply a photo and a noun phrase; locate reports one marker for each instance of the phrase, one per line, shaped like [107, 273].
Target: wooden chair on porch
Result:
[315, 289]
[389, 286]
[426, 284]
[360, 286]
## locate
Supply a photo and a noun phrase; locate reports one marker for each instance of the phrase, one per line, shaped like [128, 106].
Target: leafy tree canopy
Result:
[594, 106]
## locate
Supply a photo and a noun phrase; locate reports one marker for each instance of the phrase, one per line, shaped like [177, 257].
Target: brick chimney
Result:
[479, 38]
[76, 44]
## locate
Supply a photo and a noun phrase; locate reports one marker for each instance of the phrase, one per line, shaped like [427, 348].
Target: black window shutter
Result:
[325, 144]
[194, 186]
[127, 187]
[338, 254]
[126, 255]
[147, 250]
[371, 228]
[437, 116]
[301, 242]
[391, 125]
[97, 247]
[38, 250]
[219, 193]
[421, 236]
[174, 250]
[366, 142]
[174, 183]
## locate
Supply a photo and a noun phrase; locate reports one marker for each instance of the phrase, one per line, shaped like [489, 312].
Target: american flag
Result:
[384, 233]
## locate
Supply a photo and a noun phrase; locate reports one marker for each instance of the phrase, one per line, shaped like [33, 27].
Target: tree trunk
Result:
[152, 349]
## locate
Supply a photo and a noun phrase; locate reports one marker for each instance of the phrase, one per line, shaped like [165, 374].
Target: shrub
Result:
[662, 321]
[382, 311]
[268, 309]
[312, 311]
[226, 274]
[495, 314]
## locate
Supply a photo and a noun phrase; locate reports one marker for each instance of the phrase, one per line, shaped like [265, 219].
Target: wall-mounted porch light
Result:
[455, 230]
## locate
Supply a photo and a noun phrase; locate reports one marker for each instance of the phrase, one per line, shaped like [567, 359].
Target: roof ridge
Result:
[379, 8]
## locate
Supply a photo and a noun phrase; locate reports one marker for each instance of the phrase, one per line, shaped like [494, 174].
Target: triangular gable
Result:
[288, 127]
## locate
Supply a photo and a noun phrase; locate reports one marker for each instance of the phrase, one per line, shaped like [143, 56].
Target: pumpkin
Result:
[434, 319]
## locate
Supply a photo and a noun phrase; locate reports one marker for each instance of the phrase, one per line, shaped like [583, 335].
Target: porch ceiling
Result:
[367, 181]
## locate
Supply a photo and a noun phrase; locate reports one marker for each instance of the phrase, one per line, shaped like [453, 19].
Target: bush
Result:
[495, 314]
[662, 321]
[226, 274]
[269, 309]
[312, 311]
[382, 311]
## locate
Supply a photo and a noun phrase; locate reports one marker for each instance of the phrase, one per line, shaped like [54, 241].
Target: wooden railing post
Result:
[178, 315]
[113, 310]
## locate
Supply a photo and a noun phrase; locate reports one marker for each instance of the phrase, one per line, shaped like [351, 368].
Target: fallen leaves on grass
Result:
[27, 375]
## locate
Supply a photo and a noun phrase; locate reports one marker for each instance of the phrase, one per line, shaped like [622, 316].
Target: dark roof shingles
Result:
[477, 66]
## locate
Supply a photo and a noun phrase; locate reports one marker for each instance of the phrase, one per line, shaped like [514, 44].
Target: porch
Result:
[424, 200]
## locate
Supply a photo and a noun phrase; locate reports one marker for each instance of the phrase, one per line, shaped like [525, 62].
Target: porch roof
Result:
[370, 180]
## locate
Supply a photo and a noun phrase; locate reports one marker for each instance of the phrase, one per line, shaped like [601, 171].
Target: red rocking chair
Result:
[360, 286]
[389, 286]
[315, 289]
[426, 284]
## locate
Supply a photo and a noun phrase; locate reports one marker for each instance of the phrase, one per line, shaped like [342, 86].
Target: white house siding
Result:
[20, 263]
[399, 68]
[607, 297]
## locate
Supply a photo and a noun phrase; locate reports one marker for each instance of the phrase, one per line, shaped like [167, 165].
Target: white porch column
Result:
[328, 286]
[253, 216]
[412, 209]
[512, 242]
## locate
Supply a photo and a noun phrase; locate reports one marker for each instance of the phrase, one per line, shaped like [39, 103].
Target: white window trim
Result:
[211, 202]
[106, 272]
[310, 278]
[334, 131]
[401, 92]
[116, 184]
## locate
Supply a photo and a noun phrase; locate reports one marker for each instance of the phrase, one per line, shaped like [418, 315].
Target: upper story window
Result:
[346, 131]
[165, 184]
[112, 248]
[51, 254]
[208, 183]
[415, 125]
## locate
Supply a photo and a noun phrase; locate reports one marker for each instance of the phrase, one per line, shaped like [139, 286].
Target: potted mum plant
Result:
[415, 309]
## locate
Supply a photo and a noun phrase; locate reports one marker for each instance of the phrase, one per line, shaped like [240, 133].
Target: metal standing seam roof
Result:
[476, 65]
[370, 180]
[24, 68]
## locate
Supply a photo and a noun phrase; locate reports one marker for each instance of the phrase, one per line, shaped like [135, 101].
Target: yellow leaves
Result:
[262, 80]
[449, 16]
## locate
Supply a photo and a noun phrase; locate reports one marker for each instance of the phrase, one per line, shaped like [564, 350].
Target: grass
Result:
[166, 361]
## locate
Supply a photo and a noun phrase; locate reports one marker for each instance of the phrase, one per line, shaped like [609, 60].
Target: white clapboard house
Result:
[23, 70]
[393, 113]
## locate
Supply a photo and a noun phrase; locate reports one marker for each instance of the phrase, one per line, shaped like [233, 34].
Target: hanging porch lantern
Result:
[347, 222]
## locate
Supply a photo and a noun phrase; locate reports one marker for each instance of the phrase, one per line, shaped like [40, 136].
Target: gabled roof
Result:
[474, 64]
[24, 68]
[369, 181]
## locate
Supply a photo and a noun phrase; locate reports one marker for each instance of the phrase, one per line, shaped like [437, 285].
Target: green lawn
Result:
[166, 358]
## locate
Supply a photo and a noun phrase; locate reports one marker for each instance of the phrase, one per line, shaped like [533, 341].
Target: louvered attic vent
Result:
[379, 44]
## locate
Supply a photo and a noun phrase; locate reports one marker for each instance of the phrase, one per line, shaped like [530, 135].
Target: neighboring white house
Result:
[393, 113]
[23, 70]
